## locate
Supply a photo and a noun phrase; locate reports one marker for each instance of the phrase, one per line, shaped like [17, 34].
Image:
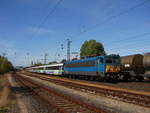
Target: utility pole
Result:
[68, 49]
[45, 58]
[32, 63]
[28, 58]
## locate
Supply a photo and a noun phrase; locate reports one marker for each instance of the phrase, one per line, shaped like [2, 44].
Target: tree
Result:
[37, 64]
[63, 60]
[91, 47]
[5, 65]
[53, 62]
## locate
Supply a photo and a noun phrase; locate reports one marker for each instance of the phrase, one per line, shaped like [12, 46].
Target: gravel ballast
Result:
[97, 101]
[26, 101]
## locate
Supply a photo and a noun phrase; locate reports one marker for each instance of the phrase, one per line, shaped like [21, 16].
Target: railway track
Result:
[125, 95]
[62, 103]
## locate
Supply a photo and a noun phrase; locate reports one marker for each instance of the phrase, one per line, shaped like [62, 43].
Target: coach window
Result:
[48, 68]
[55, 68]
[60, 68]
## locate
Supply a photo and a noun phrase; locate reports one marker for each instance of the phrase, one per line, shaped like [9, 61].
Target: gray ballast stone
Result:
[94, 100]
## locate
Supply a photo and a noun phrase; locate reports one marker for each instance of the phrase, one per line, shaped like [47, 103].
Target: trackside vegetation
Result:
[5, 65]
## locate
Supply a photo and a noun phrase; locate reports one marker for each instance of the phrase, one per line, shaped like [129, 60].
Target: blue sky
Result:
[123, 26]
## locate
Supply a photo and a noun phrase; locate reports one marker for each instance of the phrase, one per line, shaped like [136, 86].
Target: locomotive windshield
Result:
[113, 59]
[116, 61]
[109, 60]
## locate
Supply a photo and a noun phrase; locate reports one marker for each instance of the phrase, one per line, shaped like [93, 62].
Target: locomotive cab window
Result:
[109, 61]
[116, 61]
[101, 60]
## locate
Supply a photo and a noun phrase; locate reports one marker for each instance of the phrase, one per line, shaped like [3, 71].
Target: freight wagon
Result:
[146, 64]
[132, 67]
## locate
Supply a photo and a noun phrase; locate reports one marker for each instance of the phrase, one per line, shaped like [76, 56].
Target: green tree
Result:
[63, 60]
[5, 65]
[53, 62]
[92, 47]
[37, 64]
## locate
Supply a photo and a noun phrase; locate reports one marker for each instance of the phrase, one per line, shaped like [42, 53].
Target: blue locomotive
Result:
[99, 67]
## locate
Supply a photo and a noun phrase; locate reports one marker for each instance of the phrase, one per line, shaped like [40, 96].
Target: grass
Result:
[4, 109]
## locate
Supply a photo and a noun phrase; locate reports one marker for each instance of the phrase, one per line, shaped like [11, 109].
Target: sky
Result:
[31, 28]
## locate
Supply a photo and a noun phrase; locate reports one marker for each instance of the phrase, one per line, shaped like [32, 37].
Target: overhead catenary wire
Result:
[51, 12]
[131, 38]
[111, 17]
[131, 49]
[117, 15]
[46, 17]
[122, 13]
[133, 44]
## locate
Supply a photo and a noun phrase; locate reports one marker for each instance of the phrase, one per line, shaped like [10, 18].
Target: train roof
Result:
[81, 60]
[92, 58]
[51, 65]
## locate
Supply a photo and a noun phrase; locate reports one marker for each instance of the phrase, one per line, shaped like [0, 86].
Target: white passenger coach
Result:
[53, 69]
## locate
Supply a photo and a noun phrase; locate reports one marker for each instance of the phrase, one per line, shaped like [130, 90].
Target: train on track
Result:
[53, 69]
[106, 68]
[99, 67]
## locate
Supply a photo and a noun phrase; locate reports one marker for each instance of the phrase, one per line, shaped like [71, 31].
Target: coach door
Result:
[100, 66]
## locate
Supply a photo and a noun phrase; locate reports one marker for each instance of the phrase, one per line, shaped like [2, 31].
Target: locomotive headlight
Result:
[127, 65]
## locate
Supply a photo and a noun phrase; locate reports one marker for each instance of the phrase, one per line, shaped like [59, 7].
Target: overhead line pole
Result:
[45, 58]
[68, 49]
